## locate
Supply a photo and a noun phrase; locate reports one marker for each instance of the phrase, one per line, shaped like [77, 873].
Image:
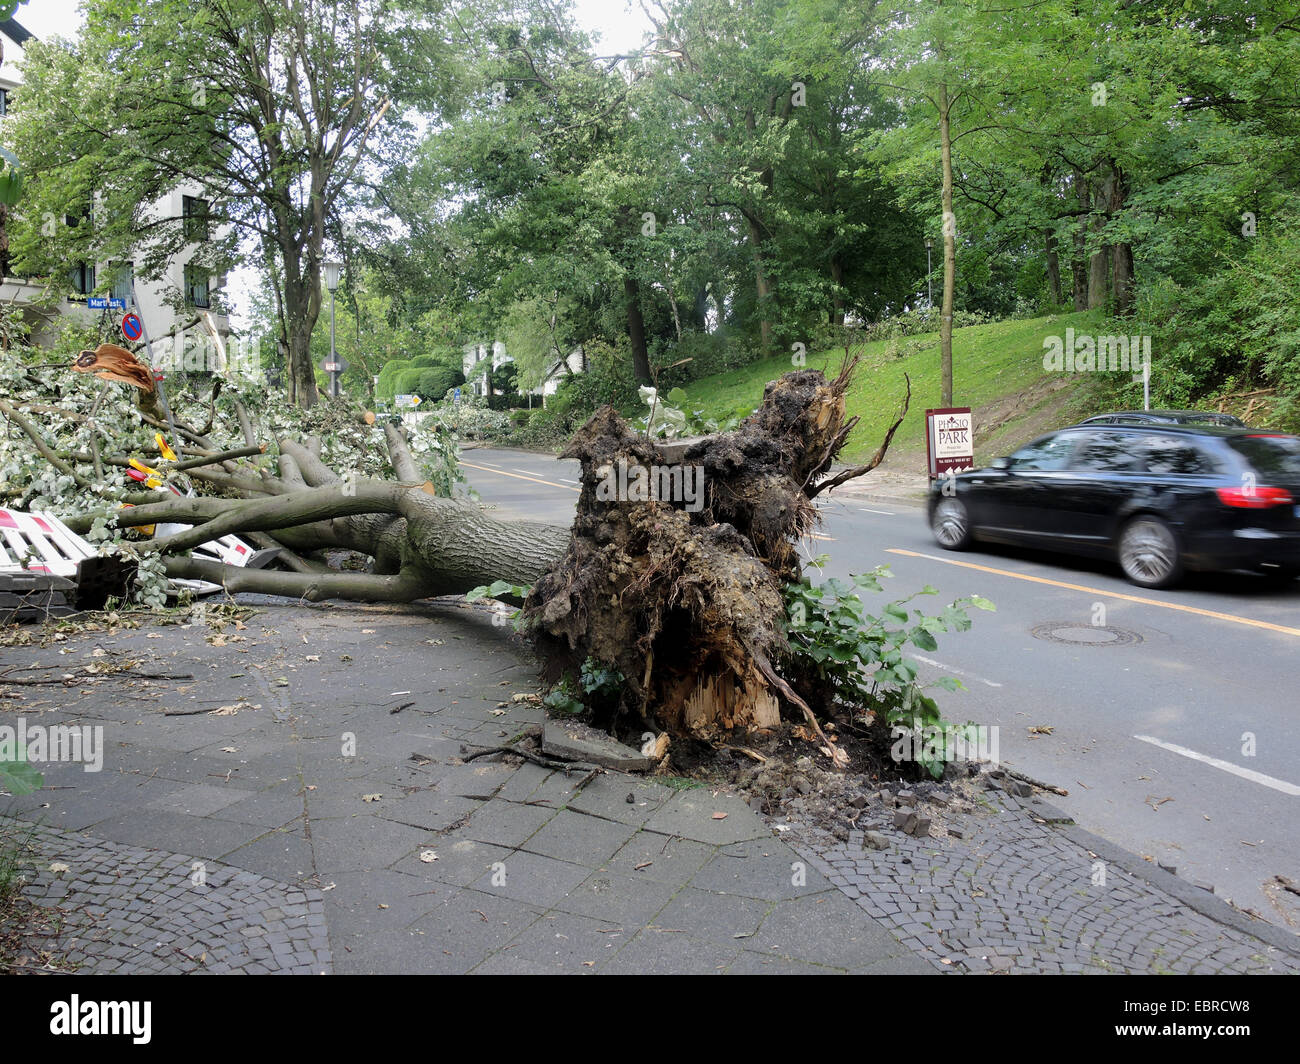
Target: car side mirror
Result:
[1001, 463]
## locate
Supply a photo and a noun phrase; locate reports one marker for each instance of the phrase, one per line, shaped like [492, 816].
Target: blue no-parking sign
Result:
[132, 327]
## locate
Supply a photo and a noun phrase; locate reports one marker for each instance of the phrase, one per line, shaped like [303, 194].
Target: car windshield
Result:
[1270, 456]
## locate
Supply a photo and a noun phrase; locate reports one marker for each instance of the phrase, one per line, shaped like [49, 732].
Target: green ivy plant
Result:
[597, 687]
[857, 658]
[563, 700]
[496, 590]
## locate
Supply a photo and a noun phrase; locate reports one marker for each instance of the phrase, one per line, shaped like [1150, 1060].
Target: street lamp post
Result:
[331, 273]
[929, 271]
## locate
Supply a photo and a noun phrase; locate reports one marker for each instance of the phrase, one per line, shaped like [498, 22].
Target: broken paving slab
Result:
[572, 740]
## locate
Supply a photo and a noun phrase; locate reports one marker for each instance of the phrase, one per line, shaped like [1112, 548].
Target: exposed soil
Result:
[820, 803]
[685, 601]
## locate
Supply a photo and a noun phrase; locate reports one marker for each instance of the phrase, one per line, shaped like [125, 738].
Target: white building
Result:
[476, 364]
[206, 330]
[562, 368]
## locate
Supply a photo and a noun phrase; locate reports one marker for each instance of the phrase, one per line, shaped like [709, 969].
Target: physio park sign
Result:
[950, 440]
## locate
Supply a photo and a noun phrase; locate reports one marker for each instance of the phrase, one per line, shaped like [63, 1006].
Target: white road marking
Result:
[1227, 766]
[887, 513]
[530, 472]
[950, 668]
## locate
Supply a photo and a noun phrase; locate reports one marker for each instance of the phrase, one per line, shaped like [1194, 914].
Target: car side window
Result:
[1051, 452]
[1177, 454]
[1105, 452]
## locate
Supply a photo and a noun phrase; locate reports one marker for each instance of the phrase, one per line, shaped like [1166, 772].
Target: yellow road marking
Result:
[518, 476]
[1097, 591]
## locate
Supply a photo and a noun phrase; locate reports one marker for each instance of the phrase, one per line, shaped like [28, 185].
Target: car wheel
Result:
[1148, 553]
[951, 524]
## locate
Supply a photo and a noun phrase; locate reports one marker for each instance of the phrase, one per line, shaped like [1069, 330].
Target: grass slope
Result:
[997, 371]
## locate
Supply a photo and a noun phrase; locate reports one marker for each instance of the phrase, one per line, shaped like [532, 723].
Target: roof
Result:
[15, 32]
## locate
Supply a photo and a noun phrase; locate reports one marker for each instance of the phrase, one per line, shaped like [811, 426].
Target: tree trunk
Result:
[1053, 261]
[700, 310]
[837, 291]
[1121, 253]
[949, 248]
[1053, 268]
[636, 330]
[301, 308]
[762, 283]
[1079, 263]
[1122, 270]
[1099, 261]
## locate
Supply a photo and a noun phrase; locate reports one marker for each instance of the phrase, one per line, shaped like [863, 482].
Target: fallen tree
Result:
[670, 579]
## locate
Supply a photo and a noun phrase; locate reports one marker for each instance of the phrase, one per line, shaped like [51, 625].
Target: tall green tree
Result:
[280, 113]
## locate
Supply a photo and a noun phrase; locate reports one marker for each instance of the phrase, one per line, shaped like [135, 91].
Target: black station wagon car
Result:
[1158, 498]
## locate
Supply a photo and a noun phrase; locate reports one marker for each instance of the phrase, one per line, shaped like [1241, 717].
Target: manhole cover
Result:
[1085, 635]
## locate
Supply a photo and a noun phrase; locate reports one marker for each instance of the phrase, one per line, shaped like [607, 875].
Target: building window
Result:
[82, 280]
[196, 287]
[195, 213]
[123, 282]
[4, 102]
[85, 213]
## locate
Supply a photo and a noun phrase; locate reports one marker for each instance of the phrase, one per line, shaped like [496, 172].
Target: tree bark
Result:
[949, 247]
[1099, 261]
[1079, 263]
[837, 291]
[636, 330]
[762, 283]
[1053, 267]
[1121, 253]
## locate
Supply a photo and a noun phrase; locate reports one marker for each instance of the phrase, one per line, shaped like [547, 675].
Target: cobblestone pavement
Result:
[1017, 894]
[131, 909]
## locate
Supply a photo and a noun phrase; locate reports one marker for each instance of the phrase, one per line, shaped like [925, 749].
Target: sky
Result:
[619, 22]
[46, 18]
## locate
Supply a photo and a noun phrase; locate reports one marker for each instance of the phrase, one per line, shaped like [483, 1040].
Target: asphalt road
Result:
[1175, 736]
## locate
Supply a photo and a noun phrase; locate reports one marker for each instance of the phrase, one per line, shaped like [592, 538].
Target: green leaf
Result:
[923, 639]
[19, 777]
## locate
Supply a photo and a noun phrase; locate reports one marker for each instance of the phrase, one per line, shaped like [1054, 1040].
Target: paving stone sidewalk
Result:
[337, 830]
[322, 821]
[1019, 893]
